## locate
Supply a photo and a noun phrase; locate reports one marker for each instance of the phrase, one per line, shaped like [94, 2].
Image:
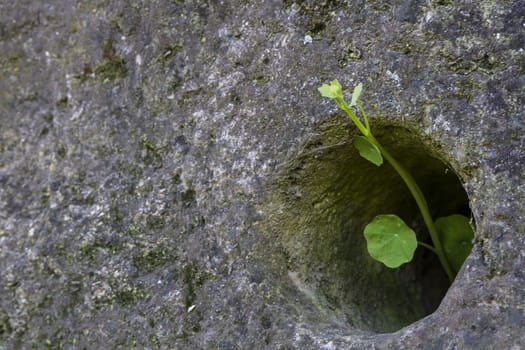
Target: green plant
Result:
[389, 239]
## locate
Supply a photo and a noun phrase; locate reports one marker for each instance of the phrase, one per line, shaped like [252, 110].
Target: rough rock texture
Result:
[171, 178]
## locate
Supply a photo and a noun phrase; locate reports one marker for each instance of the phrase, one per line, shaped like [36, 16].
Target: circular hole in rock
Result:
[326, 197]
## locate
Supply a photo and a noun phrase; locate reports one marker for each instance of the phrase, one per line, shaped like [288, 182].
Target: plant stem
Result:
[428, 246]
[341, 103]
[421, 203]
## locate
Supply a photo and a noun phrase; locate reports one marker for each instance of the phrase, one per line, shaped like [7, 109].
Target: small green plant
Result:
[389, 239]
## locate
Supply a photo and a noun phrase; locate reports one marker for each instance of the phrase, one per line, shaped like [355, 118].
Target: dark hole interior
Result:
[329, 193]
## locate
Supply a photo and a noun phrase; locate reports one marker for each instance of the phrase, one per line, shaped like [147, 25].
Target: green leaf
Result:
[356, 94]
[332, 90]
[390, 241]
[368, 150]
[456, 236]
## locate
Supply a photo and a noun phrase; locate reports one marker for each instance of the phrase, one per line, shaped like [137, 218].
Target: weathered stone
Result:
[170, 176]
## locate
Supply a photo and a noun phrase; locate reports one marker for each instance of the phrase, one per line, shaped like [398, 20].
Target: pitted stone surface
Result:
[142, 145]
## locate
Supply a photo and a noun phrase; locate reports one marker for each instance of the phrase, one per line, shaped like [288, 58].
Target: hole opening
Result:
[330, 193]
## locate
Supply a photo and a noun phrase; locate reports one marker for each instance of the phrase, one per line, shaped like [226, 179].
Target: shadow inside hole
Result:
[330, 193]
[445, 196]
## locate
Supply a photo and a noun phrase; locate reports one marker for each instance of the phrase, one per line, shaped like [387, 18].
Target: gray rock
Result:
[171, 178]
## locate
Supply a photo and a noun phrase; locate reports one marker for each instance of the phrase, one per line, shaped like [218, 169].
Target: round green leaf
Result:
[390, 241]
[368, 150]
[456, 236]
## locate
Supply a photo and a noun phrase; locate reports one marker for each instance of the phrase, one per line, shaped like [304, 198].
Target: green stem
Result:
[342, 104]
[360, 105]
[421, 203]
[428, 246]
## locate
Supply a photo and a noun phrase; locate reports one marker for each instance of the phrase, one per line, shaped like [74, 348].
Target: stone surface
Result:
[171, 178]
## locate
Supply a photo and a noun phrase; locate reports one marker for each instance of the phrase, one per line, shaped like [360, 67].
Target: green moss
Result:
[154, 339]
[48, 118]
[134, 229]
[461, 65]
[346, 54]
[79, 197]
[149, 259]
[155, 222]
[315, 26]
[111, 68]
[128, 295]
[62, 102]
[489, 63]
[147, 188]
[168, 52]
[105, 245]
[466, 88]
[262, 79]
[44, 195]
[85, 74]
[132, 170]
[190, 95]
[62, 151]
[5, 325]
[190, 277]
[114, 216]
[151, 153]
[188, 196]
